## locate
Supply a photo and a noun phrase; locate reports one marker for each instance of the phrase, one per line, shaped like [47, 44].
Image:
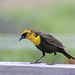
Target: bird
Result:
[46, 43]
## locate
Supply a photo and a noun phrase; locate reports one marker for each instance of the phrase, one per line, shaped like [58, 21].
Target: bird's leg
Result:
[53, 60]
[39, 58]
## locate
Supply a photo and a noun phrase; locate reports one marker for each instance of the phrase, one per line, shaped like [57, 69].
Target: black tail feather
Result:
[67, 55]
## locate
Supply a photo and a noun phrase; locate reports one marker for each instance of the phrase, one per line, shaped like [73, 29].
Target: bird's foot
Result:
[35, 62]
[53, 63]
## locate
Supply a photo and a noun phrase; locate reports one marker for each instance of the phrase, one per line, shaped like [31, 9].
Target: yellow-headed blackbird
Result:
[45, 42]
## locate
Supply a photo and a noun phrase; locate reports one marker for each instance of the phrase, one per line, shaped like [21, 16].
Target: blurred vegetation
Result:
[48, 16]
[32, 55]
[53, 18]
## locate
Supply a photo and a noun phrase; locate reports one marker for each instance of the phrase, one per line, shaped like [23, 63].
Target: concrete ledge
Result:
[25, 68]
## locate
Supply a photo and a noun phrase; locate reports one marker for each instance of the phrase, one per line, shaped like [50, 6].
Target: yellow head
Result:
[30, 34]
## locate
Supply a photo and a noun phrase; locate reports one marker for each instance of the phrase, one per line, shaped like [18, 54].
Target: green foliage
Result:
[31, 56]
[53, 18]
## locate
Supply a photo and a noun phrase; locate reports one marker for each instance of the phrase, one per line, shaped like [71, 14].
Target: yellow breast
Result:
[35, 40]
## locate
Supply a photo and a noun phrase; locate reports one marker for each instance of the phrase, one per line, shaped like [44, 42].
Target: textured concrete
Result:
[25, 68]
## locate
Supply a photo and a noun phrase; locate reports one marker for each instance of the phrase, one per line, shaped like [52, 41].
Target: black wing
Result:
[52, 40]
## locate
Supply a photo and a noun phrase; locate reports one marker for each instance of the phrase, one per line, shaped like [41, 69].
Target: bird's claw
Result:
[35, 62]
[53, 63]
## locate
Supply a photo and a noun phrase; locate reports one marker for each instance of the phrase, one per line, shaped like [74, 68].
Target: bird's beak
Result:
[21, 38]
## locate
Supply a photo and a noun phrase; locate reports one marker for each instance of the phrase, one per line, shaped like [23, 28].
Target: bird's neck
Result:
[35, 40]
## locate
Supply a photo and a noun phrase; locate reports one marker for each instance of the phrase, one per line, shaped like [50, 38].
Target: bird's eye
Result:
[25, 34]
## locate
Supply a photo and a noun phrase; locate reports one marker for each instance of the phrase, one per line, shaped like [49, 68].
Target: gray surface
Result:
[25, 68]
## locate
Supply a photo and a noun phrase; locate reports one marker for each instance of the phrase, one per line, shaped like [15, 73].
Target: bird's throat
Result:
[35, 40]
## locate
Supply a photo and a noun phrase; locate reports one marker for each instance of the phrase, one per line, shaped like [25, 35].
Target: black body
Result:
[49, 44]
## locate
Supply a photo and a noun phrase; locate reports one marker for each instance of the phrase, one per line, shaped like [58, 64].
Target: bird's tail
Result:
[67, 55]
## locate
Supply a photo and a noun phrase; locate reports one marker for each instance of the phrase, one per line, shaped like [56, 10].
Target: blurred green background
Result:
[56, 17]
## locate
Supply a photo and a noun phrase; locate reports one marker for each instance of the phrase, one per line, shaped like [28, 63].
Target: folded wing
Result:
[52, 40]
